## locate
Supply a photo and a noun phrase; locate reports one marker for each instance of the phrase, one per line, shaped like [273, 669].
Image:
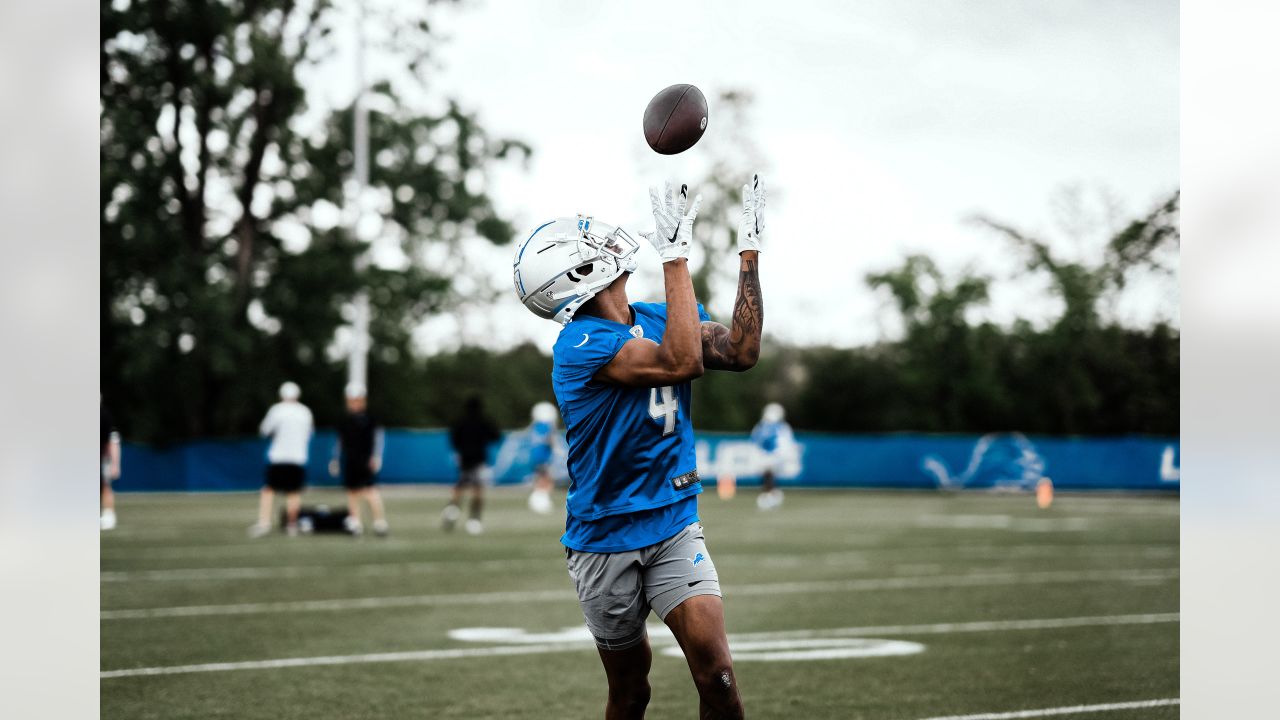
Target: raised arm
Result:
[642, 362]
[737, 348]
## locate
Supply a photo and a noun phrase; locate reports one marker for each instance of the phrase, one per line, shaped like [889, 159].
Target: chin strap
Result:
[565, 316]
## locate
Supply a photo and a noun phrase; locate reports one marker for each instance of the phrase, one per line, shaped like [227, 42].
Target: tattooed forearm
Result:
[748, 310]
[738, 348]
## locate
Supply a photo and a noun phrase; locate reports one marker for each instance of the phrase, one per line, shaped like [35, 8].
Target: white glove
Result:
[751, 224]
[672, 235]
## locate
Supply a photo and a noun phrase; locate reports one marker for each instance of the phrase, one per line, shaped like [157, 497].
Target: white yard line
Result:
[658, 638]
[1068, 710]
[488, 598]
[966, 627]
[414, 655]
[284, 572]
[278, 572]
[979, 579]
[239, 548]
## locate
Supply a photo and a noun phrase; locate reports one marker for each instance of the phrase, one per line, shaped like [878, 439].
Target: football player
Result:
[543, 444]
[621, 376]
[774, 438]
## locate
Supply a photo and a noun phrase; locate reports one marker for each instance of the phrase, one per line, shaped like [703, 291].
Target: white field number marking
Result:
[578, 638]
[744, 647]
[666, 408]
[815, 649]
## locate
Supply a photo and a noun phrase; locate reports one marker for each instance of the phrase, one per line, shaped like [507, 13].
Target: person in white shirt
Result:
[289, 425]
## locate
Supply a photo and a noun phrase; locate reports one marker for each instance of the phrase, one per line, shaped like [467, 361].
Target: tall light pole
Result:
[358, 363]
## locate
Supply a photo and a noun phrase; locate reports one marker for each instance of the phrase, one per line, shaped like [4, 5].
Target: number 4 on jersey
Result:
[664, 409]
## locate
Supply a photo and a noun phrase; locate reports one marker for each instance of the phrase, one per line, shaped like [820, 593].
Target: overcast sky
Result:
[883, 124]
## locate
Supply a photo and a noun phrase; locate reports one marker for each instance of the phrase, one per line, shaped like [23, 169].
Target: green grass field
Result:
[1016, 609]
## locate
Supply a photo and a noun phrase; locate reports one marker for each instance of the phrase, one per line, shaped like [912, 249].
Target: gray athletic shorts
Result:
[617, 590]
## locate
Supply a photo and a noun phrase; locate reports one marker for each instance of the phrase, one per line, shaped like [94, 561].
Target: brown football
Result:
[675, 119]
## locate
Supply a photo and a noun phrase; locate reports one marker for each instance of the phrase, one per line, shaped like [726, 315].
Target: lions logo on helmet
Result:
[565, 262]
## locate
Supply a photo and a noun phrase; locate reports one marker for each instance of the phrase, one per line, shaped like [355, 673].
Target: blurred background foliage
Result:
[232, 246]
[230, 253]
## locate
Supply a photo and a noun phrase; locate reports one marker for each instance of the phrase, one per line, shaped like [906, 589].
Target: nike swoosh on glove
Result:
[672, 235]
[751, 223]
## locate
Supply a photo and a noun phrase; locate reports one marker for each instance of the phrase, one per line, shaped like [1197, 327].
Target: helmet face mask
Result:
[617, 243]
[565, 262]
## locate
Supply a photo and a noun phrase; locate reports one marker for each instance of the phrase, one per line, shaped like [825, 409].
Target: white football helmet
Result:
[773, 412]
[566, 261]
[545, 412]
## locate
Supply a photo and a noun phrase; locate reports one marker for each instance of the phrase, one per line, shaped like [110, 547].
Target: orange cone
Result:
[727, 486]
[1044, 493]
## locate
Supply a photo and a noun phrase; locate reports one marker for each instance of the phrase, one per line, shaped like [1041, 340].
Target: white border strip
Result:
[1070, 710]
[583, 644]
[489, 598]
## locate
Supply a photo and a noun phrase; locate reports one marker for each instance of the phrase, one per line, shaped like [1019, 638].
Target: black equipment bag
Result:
[319, 519]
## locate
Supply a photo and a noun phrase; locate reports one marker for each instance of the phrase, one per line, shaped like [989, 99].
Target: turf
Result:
[826, 560]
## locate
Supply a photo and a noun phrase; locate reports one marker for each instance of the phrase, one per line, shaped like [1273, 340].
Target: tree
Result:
[228, 256]
[945, 373]
[1079, 338]
[1147, 242]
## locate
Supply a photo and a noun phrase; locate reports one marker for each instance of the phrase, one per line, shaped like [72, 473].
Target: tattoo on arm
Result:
[715, 346]
[737, 348]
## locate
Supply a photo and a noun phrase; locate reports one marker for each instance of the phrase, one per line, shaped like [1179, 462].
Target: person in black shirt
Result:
[359, 447]
[470, 437]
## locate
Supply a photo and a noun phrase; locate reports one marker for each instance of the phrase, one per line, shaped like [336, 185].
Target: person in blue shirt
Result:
[621, 376]
[543, 445]
[777, 443]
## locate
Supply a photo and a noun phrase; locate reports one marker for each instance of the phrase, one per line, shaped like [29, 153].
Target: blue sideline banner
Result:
[815, 460]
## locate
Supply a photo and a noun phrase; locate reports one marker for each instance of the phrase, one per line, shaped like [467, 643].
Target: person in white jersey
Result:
[289, 425]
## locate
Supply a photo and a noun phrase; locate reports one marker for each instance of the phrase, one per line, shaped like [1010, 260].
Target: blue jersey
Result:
[769, 435]
[540, 439]
[632, 467]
